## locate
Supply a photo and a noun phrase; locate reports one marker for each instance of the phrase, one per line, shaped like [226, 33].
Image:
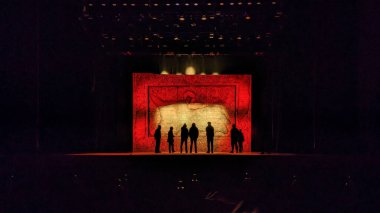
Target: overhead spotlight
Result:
[238, 38]
[211, 35]
[215, 73]
[168, 4]
[258, 3]
[146, 38]
[220, 37]
[212, 17]
[247, 17]
[240, 3]
[273, 2]
[190, 70]
[258, 37]
[176, 4]
[130, 38]
[209, 4]
[182, 18]
[90, 5]
[221, 4]
[125, 4]
[249, 3]
[195, 4]
[232, 4]
[187, 4]
[203, 73]
[103, 4]
[203, 18]
[146, 5]
[193, 24]
[176, 38]
[164, 72]
[114, 5]
[178, 73]
[133, 4]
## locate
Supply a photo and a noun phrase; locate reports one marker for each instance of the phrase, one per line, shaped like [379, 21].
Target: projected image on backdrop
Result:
[174, 106]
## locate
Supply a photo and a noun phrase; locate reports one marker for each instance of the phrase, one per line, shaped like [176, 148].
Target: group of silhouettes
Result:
[237, 138]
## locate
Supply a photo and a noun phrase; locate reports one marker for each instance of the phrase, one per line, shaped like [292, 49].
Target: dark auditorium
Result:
[241, 106]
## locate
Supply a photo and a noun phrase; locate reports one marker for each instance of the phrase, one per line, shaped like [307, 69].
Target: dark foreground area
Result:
[204, 183]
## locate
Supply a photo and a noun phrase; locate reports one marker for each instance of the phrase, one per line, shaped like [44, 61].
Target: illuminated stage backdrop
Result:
[172, 100]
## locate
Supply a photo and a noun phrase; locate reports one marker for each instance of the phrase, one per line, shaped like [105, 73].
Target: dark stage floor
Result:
[219, 182]
[178, 153]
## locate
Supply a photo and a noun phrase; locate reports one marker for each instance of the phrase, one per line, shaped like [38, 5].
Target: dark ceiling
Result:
[183, 27]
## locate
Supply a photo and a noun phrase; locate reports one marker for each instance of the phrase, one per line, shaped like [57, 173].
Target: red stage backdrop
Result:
[172, 100]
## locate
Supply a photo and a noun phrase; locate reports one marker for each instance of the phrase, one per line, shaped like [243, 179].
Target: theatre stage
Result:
[180, 154]
[219, 157]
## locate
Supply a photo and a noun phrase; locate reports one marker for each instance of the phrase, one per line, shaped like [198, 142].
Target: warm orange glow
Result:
[190, 70]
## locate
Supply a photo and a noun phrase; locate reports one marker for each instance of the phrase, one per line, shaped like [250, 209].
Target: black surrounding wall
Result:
[315, 92]
[18, 76]
[315, 79]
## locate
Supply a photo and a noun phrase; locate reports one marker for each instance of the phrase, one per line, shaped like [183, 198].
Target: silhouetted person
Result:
[184, 136]
[157, 137]
[234, 138]
[193, 133]
[240, 140]
[171, 140]
[210, 138]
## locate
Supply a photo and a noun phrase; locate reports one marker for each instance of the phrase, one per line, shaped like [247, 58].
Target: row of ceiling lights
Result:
[177, 38]
[183, 4]
[211, 17]
[183, 18]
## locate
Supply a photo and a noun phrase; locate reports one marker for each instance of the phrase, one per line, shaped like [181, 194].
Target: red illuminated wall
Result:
[171, 100]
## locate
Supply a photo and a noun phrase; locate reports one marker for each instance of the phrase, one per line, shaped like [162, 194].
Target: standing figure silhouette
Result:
[157, 137]
[210, 138]
[240, 140]
[234, 138]
[171, 140]
[184, 136]
[193, 137]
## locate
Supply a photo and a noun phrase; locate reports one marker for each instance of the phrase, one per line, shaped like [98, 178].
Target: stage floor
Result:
[180, 154]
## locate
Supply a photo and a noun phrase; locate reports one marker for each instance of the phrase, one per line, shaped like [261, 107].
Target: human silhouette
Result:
[157, 137]
[171, 140]
[240, 140]
[184, 136]
[193, 133]
[234, 138]
[210, 137]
